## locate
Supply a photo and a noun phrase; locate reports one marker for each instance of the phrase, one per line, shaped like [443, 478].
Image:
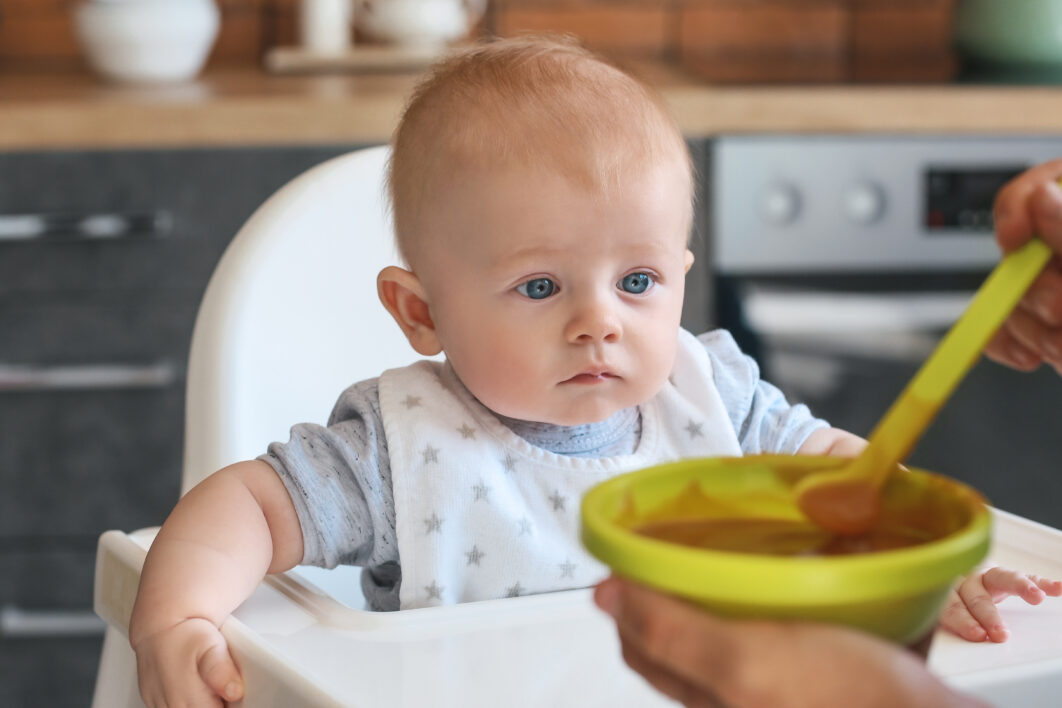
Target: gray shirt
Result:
[339, 475]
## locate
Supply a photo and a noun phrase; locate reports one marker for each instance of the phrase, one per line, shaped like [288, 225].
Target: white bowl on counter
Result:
[147, 41]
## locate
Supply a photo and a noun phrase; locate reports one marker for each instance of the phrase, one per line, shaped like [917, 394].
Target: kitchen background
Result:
[862, 128]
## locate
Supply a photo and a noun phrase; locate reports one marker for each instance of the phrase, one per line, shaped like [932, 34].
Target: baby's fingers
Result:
[1001, 583]
[1052, 588]
[980, 592]
[958, 619]
[219, 672]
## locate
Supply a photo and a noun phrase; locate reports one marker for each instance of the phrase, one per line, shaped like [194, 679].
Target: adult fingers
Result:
[1028, 331]
[218, 671]
[1045, 208]
[664, 680]
[668, 633]
[1005, 349]
[1013, 210]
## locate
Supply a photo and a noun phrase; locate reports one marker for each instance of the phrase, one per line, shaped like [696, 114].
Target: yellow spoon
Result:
[846, 500]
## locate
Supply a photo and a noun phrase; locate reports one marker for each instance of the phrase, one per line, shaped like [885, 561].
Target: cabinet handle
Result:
[22, 377]
[87, 227]
[18, 623]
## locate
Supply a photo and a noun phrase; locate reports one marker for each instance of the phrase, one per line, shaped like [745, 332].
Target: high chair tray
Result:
[298, 644]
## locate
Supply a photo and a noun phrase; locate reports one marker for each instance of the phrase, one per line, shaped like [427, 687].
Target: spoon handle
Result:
[908, 417]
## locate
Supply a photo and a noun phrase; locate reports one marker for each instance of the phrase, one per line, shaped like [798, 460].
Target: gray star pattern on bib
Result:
[525, 526]
[433, 525]
[411, 401]
[514, 590]
[474, 556]
[557, 500]
[567, 568]
[694, 429]
[467, 432]
[509, 463]
[480, 492]
[434, 591]
[431, 454]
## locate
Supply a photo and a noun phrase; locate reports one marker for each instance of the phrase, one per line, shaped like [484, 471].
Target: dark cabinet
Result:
[103, 259]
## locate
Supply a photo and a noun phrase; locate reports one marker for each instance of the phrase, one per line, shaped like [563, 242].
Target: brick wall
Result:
[724, 40]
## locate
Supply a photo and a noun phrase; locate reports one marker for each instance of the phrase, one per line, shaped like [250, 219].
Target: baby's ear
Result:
[404, 297]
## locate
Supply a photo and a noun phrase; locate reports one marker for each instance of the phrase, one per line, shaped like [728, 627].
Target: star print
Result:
[694, 429]
[525, 527]
[467, 432]
[430, 453]
[509, 463]
[474, 555]
[434, 591]
[480, 491]
[433, 525]
[514, 591]
[411, 402]
[558, 501]
[567, 569]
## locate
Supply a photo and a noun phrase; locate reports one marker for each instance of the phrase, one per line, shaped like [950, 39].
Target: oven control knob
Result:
[780, 203]
[864, 202]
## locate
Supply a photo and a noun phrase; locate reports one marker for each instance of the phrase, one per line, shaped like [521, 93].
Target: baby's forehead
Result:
[531, 106]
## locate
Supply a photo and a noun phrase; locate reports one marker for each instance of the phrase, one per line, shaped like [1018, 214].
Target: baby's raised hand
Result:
[971, 609]
[187, 665]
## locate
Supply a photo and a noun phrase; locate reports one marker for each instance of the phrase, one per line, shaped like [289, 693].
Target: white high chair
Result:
[291, 318]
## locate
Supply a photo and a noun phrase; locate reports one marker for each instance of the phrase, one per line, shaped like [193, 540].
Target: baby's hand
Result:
[971, 610]
[187, 665]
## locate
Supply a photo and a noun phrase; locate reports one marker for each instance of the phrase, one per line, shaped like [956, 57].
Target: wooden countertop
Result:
[247, 106]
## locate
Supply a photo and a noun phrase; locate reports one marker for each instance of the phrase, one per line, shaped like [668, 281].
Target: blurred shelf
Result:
[250, 106]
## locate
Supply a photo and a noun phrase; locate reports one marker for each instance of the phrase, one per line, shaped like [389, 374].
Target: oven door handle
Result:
[895, 326]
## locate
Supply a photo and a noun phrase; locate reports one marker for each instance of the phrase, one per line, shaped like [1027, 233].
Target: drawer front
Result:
[97, 328]
[44, 576]
[75, 221]
[74, 464]
[57, 673]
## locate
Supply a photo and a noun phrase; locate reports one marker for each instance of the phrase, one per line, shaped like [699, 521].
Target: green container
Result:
[896, 594]
[1010, 33]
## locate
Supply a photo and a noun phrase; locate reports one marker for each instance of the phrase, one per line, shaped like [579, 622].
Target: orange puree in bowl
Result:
[780, 537]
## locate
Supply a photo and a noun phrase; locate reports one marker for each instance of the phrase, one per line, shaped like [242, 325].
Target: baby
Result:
[542, 203]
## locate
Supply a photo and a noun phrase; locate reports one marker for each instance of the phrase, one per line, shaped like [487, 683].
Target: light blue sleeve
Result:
[339, 479]
[765, 422]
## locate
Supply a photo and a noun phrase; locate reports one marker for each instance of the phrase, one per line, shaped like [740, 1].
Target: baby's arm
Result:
[971, 609]
[832, 441]
[220, 540]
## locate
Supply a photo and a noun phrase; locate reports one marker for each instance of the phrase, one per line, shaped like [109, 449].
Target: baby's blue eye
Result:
[636, 283]
[537, 289]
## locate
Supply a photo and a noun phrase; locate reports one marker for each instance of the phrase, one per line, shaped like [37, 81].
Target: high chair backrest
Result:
[291, 316]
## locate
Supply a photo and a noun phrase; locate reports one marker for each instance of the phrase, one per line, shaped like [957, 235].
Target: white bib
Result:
[483, 514]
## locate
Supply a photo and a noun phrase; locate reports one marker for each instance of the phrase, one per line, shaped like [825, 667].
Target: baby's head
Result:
[542, 200]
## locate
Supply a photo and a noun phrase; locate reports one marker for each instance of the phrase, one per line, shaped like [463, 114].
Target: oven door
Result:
[848, 354]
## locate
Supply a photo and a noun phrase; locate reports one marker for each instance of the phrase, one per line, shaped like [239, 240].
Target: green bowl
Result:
[896, 594]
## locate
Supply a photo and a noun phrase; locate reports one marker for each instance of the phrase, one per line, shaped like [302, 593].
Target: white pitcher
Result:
[418, 22]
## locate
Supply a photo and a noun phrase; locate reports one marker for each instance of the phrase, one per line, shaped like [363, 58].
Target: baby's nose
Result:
[594, 321]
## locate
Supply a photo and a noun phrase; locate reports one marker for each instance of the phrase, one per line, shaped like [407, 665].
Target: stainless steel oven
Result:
[838, 262]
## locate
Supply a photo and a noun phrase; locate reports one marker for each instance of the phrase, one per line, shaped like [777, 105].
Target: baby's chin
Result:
[583, 415]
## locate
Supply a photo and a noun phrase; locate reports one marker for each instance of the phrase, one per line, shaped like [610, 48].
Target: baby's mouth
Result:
[591, 377]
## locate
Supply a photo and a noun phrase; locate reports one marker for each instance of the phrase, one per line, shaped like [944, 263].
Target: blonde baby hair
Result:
[536, 102]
